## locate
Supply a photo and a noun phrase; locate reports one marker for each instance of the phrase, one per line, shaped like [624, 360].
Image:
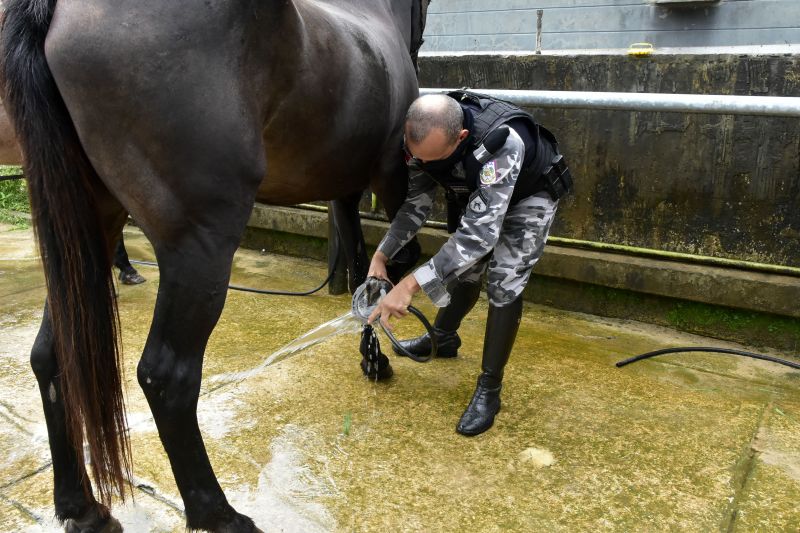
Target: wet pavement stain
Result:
[692, 442]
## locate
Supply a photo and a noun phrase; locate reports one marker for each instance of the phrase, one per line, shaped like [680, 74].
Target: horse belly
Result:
[332, 133]
[296, 180]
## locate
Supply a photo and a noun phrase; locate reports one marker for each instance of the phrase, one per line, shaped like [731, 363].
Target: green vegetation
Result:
[348, 420]
[13, 198]
[738, 325]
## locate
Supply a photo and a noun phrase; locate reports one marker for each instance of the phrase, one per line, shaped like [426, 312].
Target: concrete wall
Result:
[726, 186]
[592, 24]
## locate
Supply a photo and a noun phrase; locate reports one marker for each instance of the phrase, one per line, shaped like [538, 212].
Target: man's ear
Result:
[463, 135]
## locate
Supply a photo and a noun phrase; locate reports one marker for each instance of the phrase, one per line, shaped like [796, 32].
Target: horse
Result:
[10, 153]
[183, 114]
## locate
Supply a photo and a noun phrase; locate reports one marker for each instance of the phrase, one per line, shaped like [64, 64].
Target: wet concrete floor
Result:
[695, 442]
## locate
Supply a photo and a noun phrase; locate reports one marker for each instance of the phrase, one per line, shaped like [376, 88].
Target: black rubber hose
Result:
[428, 327]
[664, 351]
[283, 293]
[265, 291]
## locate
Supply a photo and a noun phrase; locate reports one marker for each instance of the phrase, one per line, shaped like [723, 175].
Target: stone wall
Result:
[717, 185]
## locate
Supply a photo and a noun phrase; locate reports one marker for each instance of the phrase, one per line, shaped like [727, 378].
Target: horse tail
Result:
[74, 248]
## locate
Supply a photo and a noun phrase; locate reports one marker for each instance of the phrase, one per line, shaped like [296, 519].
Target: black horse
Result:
[182, 114]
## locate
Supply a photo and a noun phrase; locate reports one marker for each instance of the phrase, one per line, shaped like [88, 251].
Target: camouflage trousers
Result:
[522, 238]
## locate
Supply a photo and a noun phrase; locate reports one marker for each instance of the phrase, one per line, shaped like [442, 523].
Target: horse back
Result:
[306, 94]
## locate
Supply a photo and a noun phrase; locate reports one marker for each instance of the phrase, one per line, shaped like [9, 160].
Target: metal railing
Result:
[774, 106]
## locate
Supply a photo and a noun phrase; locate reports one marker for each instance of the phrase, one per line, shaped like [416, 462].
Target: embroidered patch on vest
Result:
[488, 174]
[477, 203]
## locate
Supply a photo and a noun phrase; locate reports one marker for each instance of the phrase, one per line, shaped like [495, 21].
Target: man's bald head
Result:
[434, 111]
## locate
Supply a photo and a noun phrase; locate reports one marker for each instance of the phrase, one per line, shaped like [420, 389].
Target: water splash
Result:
[347, 323]
[289, 494]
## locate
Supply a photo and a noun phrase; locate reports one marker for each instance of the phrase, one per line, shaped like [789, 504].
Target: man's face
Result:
[434, 146]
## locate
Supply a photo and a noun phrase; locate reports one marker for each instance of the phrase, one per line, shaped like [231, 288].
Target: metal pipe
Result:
[775, 106]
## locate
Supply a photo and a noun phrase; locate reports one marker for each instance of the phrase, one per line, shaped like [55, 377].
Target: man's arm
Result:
[412, 214]
[480, 226]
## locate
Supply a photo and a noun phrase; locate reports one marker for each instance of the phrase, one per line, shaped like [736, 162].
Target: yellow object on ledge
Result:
[640, 49]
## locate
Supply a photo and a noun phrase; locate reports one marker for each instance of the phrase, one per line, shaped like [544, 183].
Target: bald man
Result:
[503, 176]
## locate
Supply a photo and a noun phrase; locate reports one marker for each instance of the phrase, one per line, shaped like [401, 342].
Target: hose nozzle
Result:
[366, 299]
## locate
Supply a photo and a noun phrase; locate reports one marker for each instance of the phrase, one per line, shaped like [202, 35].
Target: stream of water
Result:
[347, 323]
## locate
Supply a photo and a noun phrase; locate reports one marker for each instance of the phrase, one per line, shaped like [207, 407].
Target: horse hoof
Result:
[93, 522]
[131, 277]
[240, 524]
[379, 371]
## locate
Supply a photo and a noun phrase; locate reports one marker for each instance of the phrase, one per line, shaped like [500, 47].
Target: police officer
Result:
[503, 176]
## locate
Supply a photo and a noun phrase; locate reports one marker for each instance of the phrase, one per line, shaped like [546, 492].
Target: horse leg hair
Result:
[73, 501]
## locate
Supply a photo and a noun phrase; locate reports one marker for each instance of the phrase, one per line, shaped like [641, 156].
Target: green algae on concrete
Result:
[663, 444]
[737, 325]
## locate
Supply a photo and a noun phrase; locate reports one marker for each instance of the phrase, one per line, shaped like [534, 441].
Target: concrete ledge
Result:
[289, 220]
[729, 287]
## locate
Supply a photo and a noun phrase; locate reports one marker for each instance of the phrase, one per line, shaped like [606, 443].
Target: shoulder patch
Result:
[488, 173]
[477, 203]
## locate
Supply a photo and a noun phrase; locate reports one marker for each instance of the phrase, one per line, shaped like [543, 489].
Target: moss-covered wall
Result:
[717, 185]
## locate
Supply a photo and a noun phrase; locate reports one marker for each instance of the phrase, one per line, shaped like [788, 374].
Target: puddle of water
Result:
[347, 323]
[288, 493]
[217, 415]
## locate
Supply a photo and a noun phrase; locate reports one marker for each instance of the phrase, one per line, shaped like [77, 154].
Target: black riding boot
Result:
[501, 330]
[448, 320]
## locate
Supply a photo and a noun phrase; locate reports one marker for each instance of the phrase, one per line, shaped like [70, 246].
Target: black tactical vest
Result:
[482, 116]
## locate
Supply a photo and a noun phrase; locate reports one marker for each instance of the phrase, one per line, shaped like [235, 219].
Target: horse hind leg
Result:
[191, 296]
[195, 254]
[74, 505]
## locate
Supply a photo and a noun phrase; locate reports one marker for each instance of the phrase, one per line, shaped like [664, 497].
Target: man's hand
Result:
[377, 267]
[395, 304]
